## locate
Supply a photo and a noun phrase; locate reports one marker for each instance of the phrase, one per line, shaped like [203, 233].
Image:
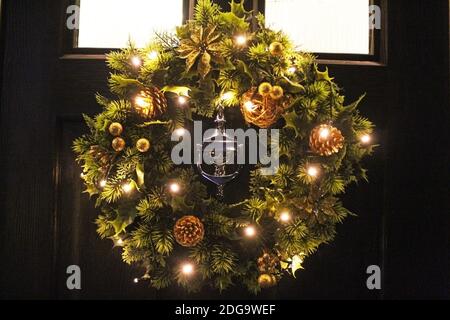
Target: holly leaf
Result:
[323, 75]
[291, 86]
[140, 174]
[91, 189]
[181, 91]
[292, 121]
[123, 220]
[238, 9]
[296, 264]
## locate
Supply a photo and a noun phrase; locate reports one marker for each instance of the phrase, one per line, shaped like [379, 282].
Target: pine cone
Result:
[268, 263]
[100, 155]
[326, 140]
[189, 231]
[150, 103]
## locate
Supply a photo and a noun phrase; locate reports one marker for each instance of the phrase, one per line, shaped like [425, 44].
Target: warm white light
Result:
[187, 269]
[136, 280]
[141, 102]
[136, 61]
[119, 242]
[292, 70]
[182, 100]
[285, 216]
[324, 133]
[127, 187]
[250, 231]
[179, 132]
[153, 55]
[103, 183]
[227, 96]
[174, 187]
[365, 138]
[82, 175]
[313, 171]
[249, 106]
[241, 40]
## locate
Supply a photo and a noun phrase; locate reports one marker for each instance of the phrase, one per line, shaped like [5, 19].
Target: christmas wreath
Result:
[162, 215]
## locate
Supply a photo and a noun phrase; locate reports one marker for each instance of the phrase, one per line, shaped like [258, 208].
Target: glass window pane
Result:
[325, 26]
[110, 23]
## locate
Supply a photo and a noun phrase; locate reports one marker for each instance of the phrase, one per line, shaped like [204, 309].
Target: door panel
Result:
[47, 223]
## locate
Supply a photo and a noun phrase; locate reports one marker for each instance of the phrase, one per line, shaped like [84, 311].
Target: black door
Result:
[47, 224]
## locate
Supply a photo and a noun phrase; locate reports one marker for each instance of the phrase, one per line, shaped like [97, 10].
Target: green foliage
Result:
[132, 188]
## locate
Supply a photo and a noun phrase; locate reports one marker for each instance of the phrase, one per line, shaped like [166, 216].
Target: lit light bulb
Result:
[249, 106]
[153, 55]
[119, 242]
[313, 171]
[136, 280]
[82, 175]
[180, 132]
[285, 216]
[227, 96]
[187, 269]
[292, 70]
[141, 102]
[250, 231]
[127, 187]
[182, 100]
[103, 183]
[174, 187]
[241, 40]
[365, 139]
[324, 133]
[136, 61]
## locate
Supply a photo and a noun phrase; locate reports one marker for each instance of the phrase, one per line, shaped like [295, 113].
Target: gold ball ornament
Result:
[268, 263]
[143, 145]
[118, 144]
[267, 280]
[276, 49]
[265, 88]
[277, 92]
[189, 231]
[115, 129]
[326, 140]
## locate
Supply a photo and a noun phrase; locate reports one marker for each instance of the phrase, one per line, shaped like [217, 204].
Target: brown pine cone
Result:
[326, 140]
[189, 231]
[268, 263]
[150, 103]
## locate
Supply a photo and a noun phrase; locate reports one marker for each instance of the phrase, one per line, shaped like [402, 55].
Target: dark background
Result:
[46, 223]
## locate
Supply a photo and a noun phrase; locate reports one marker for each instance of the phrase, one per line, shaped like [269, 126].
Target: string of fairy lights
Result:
[187, 268]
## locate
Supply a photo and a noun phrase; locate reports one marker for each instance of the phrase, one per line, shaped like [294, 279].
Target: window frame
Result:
[379, 38]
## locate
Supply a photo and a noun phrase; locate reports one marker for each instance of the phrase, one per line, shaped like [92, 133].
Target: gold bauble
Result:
[118, 144]
[115, 129]
[143, 145]
[189, 231]
[276, 49]
[265, 88]
[277, 92]
[267, 280]
[326, 140]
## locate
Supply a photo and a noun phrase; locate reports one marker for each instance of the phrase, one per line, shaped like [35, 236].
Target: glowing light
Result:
[250, 231]
[127, 187]
[174, 187]
[324, 133]
[241, 40]
[249, 106]
[285, 216]
[365, 138]
[136, 61]
[119, 242]
[153, 55]
[182, 100]
[82, 175]
[313, 171]
[187, 269]
[103, 183]
[141, 102]
[179, 132]
[227, 96]
[136, 280]
[292, 70]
